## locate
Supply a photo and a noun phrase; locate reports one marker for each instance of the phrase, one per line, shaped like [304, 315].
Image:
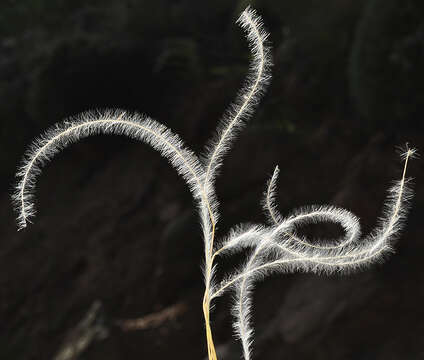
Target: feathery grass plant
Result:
[276, 247]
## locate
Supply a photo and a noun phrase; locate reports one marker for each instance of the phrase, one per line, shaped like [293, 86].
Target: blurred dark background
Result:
[117, 225]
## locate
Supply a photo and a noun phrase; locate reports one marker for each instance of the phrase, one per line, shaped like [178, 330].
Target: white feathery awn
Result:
[276, 247]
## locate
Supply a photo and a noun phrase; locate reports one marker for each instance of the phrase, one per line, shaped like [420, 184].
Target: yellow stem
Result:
[209, 338]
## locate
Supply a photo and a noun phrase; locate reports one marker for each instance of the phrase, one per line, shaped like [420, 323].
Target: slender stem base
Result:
[206, 312]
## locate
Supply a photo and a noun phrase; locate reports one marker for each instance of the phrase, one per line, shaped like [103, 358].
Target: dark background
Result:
[116, 224]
